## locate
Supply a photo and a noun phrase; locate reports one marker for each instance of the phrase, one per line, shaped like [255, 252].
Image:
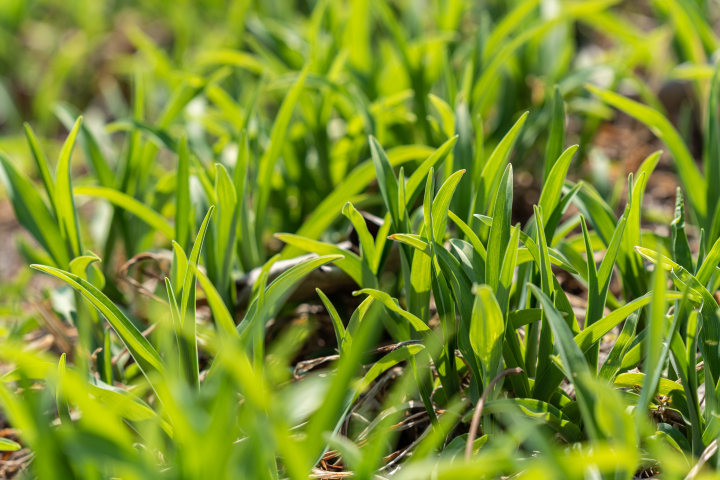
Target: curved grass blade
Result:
[126, 202]
[32, 212]
[556, 140]
[500, 230]
[64, 203]
[139, 347]
[695, 185]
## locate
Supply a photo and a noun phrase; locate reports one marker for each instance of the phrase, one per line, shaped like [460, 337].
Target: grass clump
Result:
[364, 239]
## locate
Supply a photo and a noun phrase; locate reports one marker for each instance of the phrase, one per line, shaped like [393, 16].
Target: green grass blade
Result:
[556, 138]
[429, 338]
[91, 147]
[32, 212]
[41, 161]
[412, 188]
[355, 183]
[695, 185]
[711, 150]
[679, 240]
[336, 321]
[366, 239]
[500, 230]
[7, 445]
[139, 347]
[487, 329]
[184, 221]
[572, 357]
[130, 204]
[266, 165]
[653, 342]
[497, 162]
[223, 317]
[225, 229]
[64, 203]
[555, 179]
[611, 365]
[507, 271]
[351, 264]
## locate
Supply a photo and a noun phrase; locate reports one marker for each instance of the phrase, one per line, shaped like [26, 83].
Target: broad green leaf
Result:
[711, 152]
[385, 363]
[709, 265]
[186, 322]
[7, 445]
[247, 249]
[709, 306]
[186, 354]
[508, 270]
[679, 241]
[470, 235]
[548, 286]
[536, 409]
[412, 188]
[463, 159]
[68, 116]
[472, 264]
[415, 241]
[486, 332]
[188, 290]
[599, 283]
[531, 252]
[387, 182]
[553, 222]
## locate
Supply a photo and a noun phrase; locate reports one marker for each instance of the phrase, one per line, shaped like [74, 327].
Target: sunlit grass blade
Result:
[611, 365]
[139, 347]
[572, 357]
[487, 329]
[64, 202]
[183, 217]
[556, 138]
[500, 230]
[266, 165]
[32, 212]
[497, 162]
[41, 161]
[126, 202]
[550, 195]
[695, 185]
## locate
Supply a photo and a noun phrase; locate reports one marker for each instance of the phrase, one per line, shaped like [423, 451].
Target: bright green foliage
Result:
[330, 233]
